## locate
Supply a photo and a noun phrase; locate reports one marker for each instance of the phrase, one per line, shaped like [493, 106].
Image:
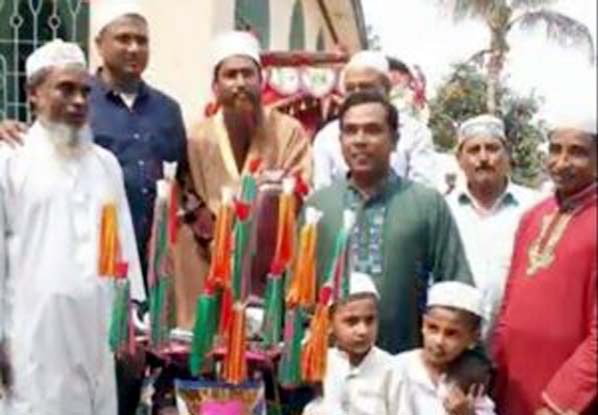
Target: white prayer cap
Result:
[481, 125]
[360, 283]
[235, 43]
[53, 54]
[369, 59]
[457, 295]
[107, 11]
[582, 118]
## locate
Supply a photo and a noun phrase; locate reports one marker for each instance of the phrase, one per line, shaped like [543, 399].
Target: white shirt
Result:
[420, 395]
[55, 309]
[368, 389]
[412, 159]
[488, 239]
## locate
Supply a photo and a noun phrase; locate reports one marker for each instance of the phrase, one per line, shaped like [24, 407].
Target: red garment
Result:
[546, 338]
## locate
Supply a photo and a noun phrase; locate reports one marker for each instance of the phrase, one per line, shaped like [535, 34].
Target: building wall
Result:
[179, 58]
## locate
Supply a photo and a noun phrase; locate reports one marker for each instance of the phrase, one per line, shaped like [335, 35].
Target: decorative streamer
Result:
[336, 273]
[235, 364]
[204, 330]
[109, 246]
[158, 271]
[302, 289]
[289, 369]
[315, 349]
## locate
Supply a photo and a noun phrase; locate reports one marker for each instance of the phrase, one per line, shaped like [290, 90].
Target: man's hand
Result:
[458, 403]
[11, 131]
[5, 370]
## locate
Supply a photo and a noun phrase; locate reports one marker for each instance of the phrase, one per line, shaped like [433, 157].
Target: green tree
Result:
[501, 16]
[463, 95]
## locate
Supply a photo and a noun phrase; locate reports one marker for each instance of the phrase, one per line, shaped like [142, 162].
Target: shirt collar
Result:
[419, 374]
[579, 200]
[509, 196]
[97, 82]
[384, 188]
[355, 370]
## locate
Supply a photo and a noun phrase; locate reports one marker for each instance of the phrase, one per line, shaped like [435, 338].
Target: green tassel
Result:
[272, 327]
[290, 366]
[241, 236]
[118, 332]
[204, 330]
[158, 316]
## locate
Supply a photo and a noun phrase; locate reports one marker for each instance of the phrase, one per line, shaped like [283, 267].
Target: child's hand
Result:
[457, 403]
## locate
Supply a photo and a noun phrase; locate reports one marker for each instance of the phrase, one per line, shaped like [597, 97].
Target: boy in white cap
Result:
[431, 382]
[413, 157]
[359, 377]
[54, 304]
[222, 148]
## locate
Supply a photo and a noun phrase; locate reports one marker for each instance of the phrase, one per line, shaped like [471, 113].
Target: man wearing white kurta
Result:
[55, 308]
[487, 207]
[414, 155]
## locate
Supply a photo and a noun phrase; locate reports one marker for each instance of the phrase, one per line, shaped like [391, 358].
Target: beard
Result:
[242, 109]
[68, 139]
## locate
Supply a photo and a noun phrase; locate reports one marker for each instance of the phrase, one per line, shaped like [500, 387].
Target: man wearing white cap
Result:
[546, 342]
[54, 304]
[139, 124]
[487, 206]
[413, 157]
[223, 147]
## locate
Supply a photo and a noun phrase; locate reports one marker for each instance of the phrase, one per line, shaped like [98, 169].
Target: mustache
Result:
[484, 167]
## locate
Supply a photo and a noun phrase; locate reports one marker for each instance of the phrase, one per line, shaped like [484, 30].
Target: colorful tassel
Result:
[302, 290]
[220, 268]
[289, 370]
[285, 231]
[273, 313]
[109, 249]
[118, 333]
[315, 350]
[235, 365]
[336, 273]
[225, 307]
[204, 330]
[169, 171]
[158, 272]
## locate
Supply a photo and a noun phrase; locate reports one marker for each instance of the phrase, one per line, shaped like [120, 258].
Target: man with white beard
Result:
[55, 302]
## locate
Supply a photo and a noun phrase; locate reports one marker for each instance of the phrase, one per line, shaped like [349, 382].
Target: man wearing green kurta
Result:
[404, 235]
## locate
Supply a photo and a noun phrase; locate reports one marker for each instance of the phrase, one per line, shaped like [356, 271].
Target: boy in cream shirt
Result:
[359, 377]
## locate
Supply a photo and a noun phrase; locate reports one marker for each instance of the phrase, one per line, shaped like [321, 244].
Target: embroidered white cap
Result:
[107, 11]
[481, 125]
[582, 118]
[361, 283]
[55, 53]
[369, 59]
[457, 295]
[235, 43]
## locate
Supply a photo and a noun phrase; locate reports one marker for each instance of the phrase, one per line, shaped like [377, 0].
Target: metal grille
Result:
[24, 26]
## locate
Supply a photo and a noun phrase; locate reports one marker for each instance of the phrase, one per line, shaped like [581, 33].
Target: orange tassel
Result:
[109, 245]
[302, 290]
[226, 313]
[315, 350]
[235, 365]
[220, 267]
[285, 232]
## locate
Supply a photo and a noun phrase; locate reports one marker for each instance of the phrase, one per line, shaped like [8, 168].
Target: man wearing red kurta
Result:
[546, 340]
